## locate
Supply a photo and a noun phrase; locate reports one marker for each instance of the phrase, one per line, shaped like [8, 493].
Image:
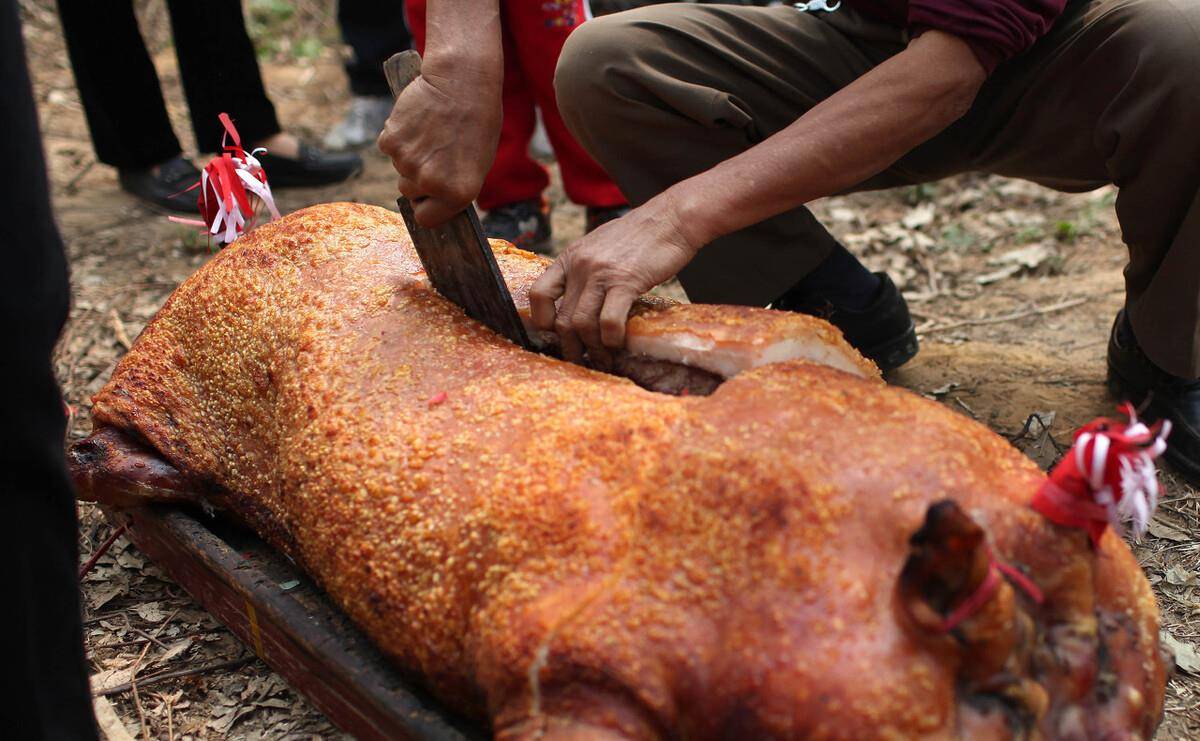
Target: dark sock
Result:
[840, 279]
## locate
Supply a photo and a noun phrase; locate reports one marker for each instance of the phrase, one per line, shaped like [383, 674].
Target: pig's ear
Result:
[947, 560]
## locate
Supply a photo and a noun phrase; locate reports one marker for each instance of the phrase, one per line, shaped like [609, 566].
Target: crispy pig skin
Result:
[570, 555]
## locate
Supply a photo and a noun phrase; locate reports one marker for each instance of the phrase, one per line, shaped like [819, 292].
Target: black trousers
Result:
[45, 693]
[374, 30]
[120, 89]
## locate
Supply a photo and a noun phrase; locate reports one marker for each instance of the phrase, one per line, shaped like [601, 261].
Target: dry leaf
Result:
[941, 391]
[1160, 529]
[225, 720]
[108, 721]
[1186, 656]
[998, 275]
[1014, 261]
[129, 559]
[109, 678]
[103, 594]
[150, 612]
[174, 650]
[1181, 577]
[1028, 257]
[918, 217]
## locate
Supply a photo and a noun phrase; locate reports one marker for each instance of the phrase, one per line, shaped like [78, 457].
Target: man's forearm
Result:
[463, 40]
[846, 139]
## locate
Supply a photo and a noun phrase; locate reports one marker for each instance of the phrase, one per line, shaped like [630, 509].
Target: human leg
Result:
[539, 30]
[119, 89]
[374, 31]
[220, 72]
[46, 691]
[1112, 95]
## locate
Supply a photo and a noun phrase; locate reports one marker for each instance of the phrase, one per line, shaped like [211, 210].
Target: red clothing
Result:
[534, 32]
[996, 29]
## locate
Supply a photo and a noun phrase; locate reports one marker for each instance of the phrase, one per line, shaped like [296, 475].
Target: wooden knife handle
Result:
[402, 69]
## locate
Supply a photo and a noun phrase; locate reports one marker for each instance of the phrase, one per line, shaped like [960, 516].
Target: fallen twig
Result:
[100, 551]
[1036, 311]
[118, 328]
[140, 641]
[170, 724]
[69, 188]
[137, 701]
[163, 676]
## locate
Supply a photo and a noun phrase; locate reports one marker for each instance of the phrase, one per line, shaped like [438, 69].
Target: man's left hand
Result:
[600, 276]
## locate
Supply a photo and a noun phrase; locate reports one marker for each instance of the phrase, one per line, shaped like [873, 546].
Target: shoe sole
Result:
[1118, 388]
[895, 352]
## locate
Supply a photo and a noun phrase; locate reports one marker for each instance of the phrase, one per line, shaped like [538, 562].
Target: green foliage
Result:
[308, 47]
[1029, 234]
[1067, 231]
[283, 30]
[268, 13]
[192, 239]
[919, 194]
[955, 237]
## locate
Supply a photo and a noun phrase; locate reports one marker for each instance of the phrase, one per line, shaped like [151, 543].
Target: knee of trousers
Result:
[593, 55]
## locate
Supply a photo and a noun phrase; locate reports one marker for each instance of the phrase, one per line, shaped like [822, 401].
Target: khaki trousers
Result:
[1110, 95]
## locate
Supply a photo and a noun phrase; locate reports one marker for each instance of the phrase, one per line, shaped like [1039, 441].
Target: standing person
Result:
[46, 694]
[128, 120]
[523, 38]
[374, 31]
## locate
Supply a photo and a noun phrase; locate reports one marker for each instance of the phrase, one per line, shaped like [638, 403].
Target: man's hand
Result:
[442, 136]
[600, 276]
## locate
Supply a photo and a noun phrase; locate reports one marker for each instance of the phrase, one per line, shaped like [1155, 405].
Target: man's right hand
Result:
[442, 136]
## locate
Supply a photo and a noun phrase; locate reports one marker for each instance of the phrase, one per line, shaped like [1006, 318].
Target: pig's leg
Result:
[112, 468]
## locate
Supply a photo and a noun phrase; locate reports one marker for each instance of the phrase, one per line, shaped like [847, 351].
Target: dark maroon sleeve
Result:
[995, 29]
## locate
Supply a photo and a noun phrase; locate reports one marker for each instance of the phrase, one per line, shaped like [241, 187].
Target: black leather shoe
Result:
[883, 331]
[312, 167]
[1157, 395]
[165, 187]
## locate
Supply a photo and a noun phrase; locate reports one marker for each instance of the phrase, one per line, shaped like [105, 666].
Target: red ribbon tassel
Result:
[1108, 477]
[231, 186]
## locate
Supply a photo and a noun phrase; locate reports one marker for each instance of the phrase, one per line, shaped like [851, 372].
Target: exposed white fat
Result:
[687, 362]
[729, 359]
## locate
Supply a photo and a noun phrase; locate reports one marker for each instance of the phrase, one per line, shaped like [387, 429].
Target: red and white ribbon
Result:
[231, 186]
[1108, 478]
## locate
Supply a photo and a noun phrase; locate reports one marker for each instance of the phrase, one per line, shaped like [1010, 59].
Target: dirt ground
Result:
[1013, 286]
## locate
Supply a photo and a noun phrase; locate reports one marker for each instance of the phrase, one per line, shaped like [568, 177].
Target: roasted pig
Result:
[761, 540]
